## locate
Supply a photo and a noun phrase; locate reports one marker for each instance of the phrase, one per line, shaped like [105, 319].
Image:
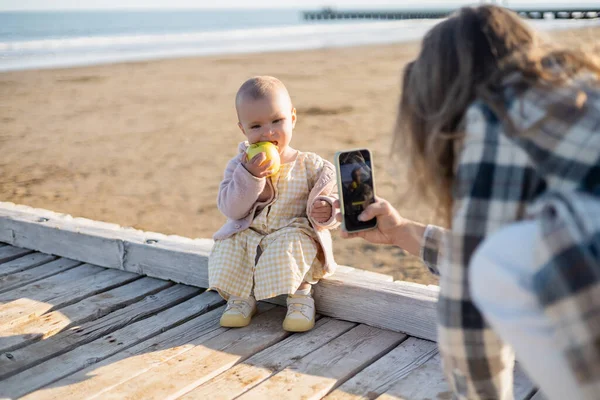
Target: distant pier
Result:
[531, 13]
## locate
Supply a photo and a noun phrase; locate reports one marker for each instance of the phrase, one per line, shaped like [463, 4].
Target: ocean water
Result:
[61, 39]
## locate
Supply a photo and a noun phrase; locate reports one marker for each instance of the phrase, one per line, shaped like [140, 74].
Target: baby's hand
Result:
[257, 166]
[321, 211]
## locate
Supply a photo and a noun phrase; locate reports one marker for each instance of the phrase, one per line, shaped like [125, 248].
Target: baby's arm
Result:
[321, 211]
[239, 190]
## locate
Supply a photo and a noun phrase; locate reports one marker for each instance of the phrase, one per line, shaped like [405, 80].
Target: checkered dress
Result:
[279, 250]
[548, 169]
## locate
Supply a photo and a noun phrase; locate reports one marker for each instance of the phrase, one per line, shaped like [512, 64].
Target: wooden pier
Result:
[566, 12]
[92, 310]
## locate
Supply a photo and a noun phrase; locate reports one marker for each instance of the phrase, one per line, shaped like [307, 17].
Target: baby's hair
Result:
[259, 87]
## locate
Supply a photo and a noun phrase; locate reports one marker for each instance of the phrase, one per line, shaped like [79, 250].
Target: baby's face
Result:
[268, 119]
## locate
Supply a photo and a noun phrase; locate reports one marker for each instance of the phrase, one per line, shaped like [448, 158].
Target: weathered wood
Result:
[56, 368]
[167, 257]
[9, 253]
[37, 298]
[78, 316]
[259, 367]
[25, 309]
[19, 360]
[313, 376]
[37, 273]
[388, 305]
[396, 306]
[428, 381]
[95, 380]
[196, 366]
[364, 272]
[50, 287]
[378, 377]
[23, 263]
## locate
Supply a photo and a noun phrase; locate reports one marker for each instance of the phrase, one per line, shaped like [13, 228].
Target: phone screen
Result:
[356, 178]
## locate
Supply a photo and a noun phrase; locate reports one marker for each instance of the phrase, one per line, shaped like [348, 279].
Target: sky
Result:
[11, 5]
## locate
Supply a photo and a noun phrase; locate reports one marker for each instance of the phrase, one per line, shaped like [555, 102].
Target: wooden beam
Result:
[108, 245]
[399, 306]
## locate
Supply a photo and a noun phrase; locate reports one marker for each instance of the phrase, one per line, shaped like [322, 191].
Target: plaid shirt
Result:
[549, 170]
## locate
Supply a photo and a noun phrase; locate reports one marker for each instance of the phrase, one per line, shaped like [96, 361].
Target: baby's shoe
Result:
[239, 312]
[300, 315]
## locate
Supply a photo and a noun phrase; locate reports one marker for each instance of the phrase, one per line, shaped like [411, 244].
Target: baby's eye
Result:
[254, 126]
[278, 120]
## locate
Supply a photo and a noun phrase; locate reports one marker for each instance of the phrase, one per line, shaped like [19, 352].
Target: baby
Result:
[276, 239]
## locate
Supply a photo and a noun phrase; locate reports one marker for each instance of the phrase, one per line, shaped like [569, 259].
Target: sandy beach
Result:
[145, 144]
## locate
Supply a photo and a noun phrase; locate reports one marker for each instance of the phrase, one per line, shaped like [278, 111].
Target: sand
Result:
[145, 144]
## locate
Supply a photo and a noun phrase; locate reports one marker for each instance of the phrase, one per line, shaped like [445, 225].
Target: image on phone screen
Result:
[357, 187]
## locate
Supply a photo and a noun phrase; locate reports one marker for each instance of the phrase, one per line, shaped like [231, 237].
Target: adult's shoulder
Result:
[480, 123]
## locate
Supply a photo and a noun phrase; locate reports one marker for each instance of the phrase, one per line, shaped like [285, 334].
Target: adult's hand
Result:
[392, 229]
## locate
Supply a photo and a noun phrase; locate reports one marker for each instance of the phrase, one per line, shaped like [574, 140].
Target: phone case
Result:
[339, 185]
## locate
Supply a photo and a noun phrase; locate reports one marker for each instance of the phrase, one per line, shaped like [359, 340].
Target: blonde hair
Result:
[259, 87]
[462, 59]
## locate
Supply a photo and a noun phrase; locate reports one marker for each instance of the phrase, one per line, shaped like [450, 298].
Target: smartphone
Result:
[356, 187]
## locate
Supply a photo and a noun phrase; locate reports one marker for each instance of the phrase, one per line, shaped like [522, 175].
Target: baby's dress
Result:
[279, 249]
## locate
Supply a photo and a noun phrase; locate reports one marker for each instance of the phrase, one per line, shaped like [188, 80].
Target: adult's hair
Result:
[466, 58]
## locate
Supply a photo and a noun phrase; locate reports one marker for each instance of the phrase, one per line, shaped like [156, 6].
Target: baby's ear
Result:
[241, 128]
[294, 117]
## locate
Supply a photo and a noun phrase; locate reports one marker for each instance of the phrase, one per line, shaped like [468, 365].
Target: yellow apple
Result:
[270, 150]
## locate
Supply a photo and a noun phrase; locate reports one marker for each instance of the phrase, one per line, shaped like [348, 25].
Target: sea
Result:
[49, 39]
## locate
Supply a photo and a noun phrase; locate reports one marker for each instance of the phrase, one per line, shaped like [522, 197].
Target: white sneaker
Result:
[239, 312]
[300, 315]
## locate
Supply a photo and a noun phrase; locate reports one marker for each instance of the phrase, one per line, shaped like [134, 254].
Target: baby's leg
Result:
[284, 264]
[230, 265]
[285, 267]
[230, 271]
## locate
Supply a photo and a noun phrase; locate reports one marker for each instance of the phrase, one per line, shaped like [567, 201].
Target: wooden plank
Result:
[396, 306]
[27, 276]
[261, 366]
[93, 307]
[358, 271]
[378, 377]
[95, 380]
[23, 263]
[50, 287]
[33, 300]
[62, 295]
[66, 341]
[200, 364]
[428, 381]
[313, 376]
[9, 253]
[109, 245]
[56, 368]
